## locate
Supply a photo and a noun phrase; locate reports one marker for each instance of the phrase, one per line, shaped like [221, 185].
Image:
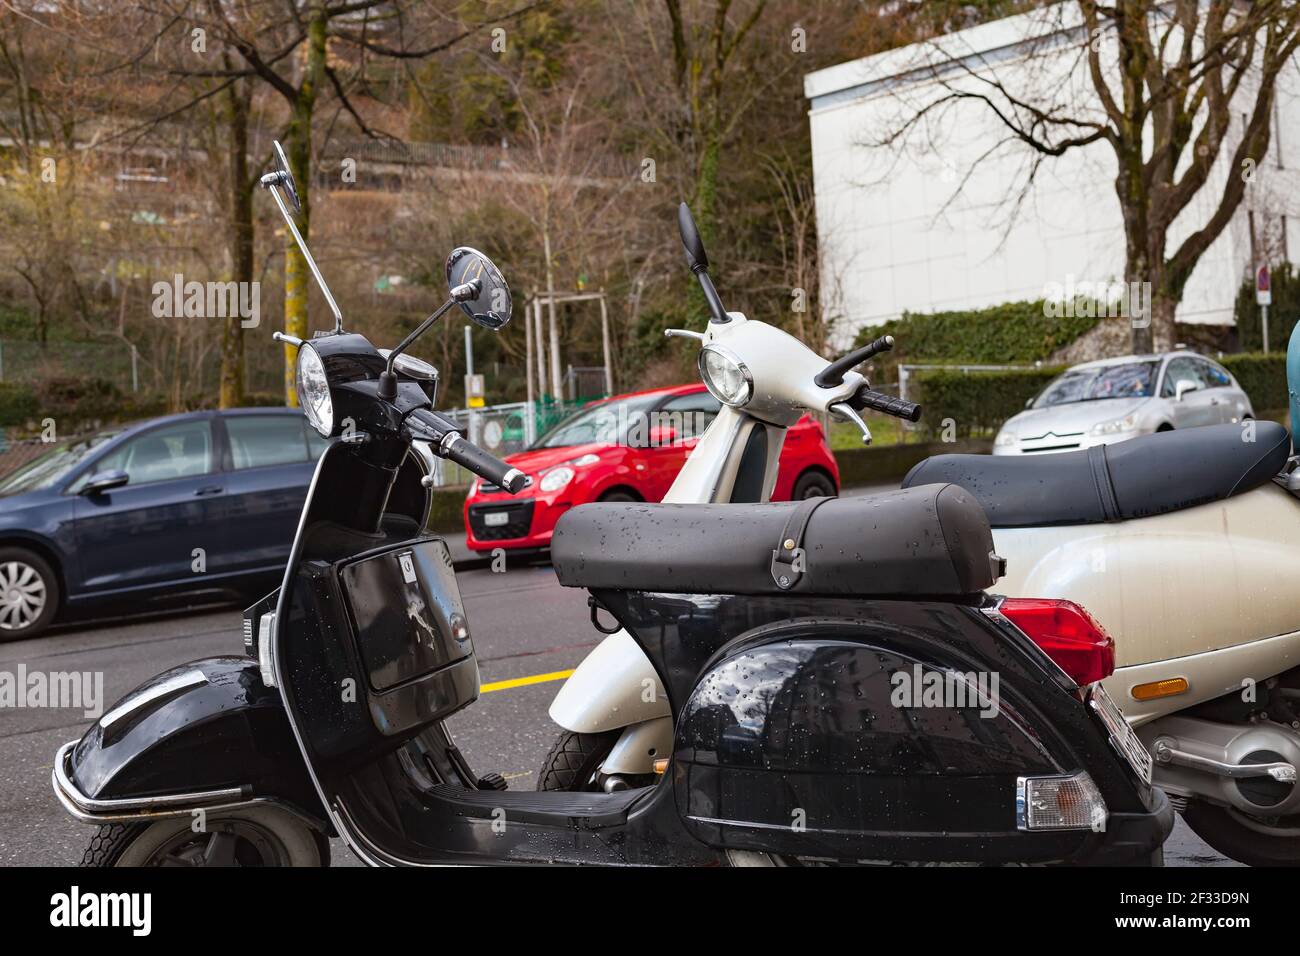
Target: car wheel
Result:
[29, 594]
[619, 496]
[1166, 427]
[813, 484]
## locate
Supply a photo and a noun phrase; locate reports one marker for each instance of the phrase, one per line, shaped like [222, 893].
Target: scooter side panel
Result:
[1170, 586]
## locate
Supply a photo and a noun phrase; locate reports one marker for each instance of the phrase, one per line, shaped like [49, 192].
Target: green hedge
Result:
[1263, 377]
[1011, 333]
[18, 404]
[881, 463]
[1282, 314]
[976, 402]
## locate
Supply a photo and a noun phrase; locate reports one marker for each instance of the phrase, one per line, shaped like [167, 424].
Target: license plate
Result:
[1121, 734]
[495, 519]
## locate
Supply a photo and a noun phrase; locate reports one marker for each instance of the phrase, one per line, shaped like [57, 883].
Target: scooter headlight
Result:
[314, 391]
[725, 376]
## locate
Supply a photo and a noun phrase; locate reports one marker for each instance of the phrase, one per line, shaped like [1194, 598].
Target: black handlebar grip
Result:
[484, 464]
[833, 374]
[879, 402]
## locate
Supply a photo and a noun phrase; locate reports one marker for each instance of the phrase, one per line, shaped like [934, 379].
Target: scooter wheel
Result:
[574, 759]
[1245, 840]
[247, 836]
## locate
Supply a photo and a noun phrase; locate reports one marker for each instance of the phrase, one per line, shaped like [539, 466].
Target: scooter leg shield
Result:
[203, 735]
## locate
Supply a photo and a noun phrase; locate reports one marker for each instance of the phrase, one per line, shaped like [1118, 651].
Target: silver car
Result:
[1111, 400]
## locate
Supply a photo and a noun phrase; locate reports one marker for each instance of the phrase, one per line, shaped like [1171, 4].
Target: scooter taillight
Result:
[1067, 633]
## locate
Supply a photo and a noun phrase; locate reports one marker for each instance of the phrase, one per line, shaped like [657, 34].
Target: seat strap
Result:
[789, 560]
[1101, 478]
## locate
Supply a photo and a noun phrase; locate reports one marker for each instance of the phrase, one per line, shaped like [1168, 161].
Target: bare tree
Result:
[1167, 79]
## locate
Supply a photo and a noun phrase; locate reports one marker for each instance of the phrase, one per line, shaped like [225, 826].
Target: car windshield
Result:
[606, 423]
[50, 468]
[1130, 380]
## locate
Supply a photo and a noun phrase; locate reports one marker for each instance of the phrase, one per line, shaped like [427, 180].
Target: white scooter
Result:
[613, 708]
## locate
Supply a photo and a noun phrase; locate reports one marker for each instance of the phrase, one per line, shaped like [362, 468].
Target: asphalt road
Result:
[524, 625]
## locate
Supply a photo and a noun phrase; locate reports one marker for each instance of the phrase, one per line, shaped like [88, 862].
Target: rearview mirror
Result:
[286, 177]
[1184, 386]
[105, 481]
[479, 288]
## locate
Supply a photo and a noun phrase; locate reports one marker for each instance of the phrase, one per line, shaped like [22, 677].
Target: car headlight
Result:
[1006, 438]
[1125, 424]
[314, 391]
[557, 478]
[725, 376]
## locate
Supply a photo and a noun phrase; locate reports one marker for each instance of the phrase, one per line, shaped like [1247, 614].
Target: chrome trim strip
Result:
[191, 678]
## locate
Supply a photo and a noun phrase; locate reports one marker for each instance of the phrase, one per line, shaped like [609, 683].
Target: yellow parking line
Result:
[523, 681]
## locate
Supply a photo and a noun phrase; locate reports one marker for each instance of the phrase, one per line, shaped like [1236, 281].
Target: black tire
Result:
[1166, 427]
[574, 758]
[1228, 832]
[49, 586]
[619, 496]
[254, 835]
[813, 484]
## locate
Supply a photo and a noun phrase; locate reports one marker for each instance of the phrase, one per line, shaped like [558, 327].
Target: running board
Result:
[549, 807]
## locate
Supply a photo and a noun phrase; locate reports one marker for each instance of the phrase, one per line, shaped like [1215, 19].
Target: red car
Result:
[619, 450]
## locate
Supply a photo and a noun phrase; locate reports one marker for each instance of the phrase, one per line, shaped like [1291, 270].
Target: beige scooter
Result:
[1182, 544]
[613, 710]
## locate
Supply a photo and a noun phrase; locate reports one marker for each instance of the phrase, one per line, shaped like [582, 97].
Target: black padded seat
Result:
[1138, 478]
[930, 541]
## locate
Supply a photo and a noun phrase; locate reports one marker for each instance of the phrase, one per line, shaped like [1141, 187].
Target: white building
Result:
[907, 225]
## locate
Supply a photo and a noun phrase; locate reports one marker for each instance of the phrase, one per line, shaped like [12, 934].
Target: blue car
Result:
[205, 501]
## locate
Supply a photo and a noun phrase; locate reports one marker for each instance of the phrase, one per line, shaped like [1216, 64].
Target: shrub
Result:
[18, 404]
[1263, 377]
[1014, 332]
[976, 402]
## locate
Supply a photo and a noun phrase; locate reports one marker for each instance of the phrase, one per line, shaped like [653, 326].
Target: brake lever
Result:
[685, 334]
[846, 411]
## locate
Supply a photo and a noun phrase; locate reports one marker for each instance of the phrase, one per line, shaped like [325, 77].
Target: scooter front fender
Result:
[206, 735]
[613, 687]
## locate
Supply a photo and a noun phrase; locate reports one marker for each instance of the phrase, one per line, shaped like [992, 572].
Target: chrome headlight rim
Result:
[311, 382]
[727, 355]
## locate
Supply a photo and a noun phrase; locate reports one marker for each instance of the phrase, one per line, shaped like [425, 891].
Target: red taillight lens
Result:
[1067, 634]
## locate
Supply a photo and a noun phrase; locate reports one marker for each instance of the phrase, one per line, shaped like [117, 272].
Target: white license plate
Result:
[1121, 734]
[495, 519]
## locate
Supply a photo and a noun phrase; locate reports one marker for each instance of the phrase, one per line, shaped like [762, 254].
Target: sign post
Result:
[1263, 298]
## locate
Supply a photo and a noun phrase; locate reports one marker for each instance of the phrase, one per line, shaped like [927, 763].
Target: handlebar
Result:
[833, 374]
[484, 464]
[866, 397]
[447, 442]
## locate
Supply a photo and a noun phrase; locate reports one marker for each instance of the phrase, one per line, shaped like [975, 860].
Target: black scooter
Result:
[842, 687]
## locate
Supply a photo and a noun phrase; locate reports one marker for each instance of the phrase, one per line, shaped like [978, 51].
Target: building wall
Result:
[907, 225]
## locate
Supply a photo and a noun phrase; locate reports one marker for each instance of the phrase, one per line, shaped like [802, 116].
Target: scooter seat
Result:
[929, 541]
[1138, 478]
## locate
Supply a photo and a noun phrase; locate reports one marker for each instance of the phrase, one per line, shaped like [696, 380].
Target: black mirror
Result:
[286, 177]
[478, 287]
[691, 240]
[105, 481]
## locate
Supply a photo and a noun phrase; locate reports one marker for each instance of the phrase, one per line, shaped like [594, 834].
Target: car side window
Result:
[1212, 375]
[1179, 370]
[183, 450]
[689, 414]
[258, 441]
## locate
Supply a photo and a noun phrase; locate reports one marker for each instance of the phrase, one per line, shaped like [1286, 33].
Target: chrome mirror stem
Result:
[311, 263]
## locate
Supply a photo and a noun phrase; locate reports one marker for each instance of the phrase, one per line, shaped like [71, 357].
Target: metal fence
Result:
[114, 362]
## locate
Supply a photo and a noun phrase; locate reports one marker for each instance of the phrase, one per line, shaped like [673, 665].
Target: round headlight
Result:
[725, 376]
[314, 391]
